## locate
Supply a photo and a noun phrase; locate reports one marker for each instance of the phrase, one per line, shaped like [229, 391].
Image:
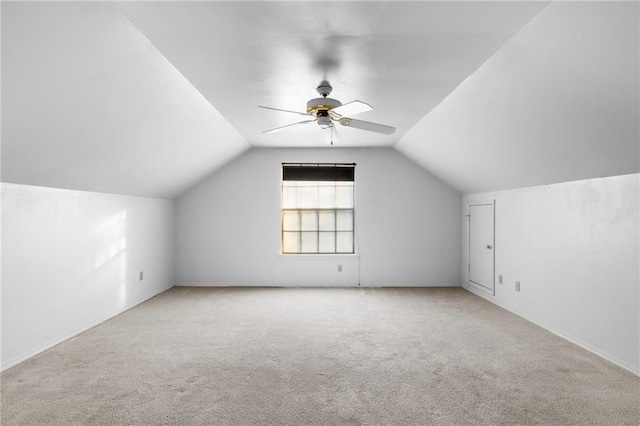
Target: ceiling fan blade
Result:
[367, 125]
[277, 129]
[352, 108]
[286, 110]
[331, 135]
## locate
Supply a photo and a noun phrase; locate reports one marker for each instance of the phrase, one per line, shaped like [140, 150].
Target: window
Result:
[317, 208]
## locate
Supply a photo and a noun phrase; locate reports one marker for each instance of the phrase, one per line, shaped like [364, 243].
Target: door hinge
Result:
[469, 267]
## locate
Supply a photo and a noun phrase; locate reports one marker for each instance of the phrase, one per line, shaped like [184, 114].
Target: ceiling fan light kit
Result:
[324, 121]
[327, 111]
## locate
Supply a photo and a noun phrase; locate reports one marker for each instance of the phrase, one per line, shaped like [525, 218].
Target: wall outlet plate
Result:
[339, 268]
[500, 279]
[517, 285]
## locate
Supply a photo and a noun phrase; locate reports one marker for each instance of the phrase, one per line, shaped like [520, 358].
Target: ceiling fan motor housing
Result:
[322, 104]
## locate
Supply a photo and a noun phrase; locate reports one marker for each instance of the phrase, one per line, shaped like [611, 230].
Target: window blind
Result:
[315, 172]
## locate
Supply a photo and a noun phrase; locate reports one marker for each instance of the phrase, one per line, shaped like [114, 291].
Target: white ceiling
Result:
[147, 98]
[403, 58]
[88, 103]
[559, 102]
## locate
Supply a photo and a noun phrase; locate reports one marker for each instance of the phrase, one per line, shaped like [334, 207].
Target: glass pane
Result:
[307, 197]
[290, 242]
[345, 242]
[327, 242]
[327, 195]
[327, 220]
[309, 221]
[309, 242]
[344, 220]
[344, 196]
[288, 197]
[290, 221]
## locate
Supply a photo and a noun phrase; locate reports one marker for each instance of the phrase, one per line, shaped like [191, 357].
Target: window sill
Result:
[302, 255]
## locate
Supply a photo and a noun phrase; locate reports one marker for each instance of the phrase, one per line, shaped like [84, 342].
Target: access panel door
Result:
[481, 240]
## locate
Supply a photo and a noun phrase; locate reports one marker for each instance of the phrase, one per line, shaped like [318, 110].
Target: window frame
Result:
[318, 210]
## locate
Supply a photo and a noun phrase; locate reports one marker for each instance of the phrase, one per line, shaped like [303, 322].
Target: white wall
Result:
[228, 227]
[574, 248]
[71, 259]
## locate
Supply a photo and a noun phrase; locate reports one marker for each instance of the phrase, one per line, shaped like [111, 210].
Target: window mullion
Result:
[335, 230]
[335, 218]
[299, 231]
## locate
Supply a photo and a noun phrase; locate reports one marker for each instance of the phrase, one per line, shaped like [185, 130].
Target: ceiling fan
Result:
[327, 111]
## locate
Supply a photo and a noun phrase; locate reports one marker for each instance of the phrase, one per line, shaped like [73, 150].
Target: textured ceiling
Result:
[147, 98]
[559, 102]
[403, 58]
[88, 103]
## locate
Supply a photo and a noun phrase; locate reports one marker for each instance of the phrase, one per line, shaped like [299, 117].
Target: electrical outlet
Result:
[500, 279]
[517, 285]
[339, 268]
[141, 275]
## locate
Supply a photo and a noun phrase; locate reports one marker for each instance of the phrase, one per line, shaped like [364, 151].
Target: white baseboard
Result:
[617, 362]
[298, 285]
[81, 330]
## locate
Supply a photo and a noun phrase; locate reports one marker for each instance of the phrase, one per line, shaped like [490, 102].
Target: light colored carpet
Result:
[318, 356]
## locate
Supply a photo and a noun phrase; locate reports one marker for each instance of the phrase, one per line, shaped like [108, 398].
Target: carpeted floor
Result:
[318, 356]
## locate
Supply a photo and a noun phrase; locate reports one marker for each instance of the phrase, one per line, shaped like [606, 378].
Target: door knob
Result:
[489, 247]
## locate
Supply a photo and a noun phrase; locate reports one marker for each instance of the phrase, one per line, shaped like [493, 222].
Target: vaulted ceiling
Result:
[559, 102]
[89, 103]
[147, 98]
[402, 58]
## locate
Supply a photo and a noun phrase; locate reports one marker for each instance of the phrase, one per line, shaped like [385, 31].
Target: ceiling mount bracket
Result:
[324, 89]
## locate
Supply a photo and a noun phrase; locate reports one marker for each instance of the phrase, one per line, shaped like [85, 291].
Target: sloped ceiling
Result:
[403, 58]
[147, 98]
[559, 102]
[88, 103]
